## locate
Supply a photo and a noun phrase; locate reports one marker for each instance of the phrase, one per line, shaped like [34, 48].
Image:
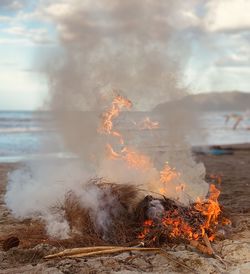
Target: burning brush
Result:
[166, 221]
[161, 220]
[131, 218]
[147, 224]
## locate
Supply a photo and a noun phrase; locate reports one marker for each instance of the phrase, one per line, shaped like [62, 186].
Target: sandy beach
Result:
[124, 137]
[234, 249]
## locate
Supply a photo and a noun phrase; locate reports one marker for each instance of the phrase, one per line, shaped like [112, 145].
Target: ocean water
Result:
[219, 132]
[26, 135]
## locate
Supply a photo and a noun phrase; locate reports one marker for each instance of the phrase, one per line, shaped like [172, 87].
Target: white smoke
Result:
[34, 189]
[126, 45]
[38, 189]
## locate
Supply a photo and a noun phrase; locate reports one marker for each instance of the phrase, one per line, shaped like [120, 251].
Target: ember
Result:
[179, 223]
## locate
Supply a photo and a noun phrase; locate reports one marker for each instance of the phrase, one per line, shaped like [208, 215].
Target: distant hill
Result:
[214, 101]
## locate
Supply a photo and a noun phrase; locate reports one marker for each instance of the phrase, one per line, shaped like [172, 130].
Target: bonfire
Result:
[144, 220]
[139, 219]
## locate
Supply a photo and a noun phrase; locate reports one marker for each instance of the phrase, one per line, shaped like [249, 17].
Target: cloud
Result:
[211, 32]
[12, 5]
[59, 11]
[225, 15]
[234, 60]
[14, 41]
[5, 19]
[69, 15]
[16, 5]
[220, 46]
[22, 24]
[21, 90]
[36, 35]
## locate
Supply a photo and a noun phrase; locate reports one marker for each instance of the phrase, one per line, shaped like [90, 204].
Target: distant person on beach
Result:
[238, 118]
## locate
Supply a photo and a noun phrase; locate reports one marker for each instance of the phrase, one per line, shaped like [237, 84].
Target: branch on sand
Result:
[97, 250]
[104, 250]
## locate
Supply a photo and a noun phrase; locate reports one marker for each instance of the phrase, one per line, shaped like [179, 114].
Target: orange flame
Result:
[113, 112]
[146, 229]
[210, 209]
[131, 157]
[226, 221]
[135, 159]
[111, 153]
[177, 227]
[168, 174]
[174, 223]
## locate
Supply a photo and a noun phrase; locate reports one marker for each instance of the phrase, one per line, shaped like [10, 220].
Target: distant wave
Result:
[21, 129]
[24, 120]
[29, 157]
[18, 120]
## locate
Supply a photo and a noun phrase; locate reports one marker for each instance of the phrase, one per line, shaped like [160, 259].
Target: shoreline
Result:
[15, 159]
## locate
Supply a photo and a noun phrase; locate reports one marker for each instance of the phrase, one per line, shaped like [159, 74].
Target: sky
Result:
[216, 32]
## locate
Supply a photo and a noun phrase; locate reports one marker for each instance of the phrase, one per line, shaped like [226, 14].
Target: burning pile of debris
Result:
[129, 217]
[151, 222]
[166, 221]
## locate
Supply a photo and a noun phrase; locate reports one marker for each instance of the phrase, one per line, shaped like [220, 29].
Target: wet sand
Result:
[235, 172]
[234, 250]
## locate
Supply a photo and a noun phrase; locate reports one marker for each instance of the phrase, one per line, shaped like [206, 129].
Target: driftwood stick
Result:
[73, 251]
[87, 252]
[207, 249]
[103, 250]
[208, 244]
[200, 247]
[112, 251]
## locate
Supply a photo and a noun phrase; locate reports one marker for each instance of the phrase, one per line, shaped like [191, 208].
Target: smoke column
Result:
[110, 45]
[125, 45]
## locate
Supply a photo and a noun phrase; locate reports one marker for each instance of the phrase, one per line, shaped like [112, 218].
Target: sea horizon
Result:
[24, 134]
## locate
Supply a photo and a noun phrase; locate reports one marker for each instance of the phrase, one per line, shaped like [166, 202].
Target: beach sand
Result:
[234, 249]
